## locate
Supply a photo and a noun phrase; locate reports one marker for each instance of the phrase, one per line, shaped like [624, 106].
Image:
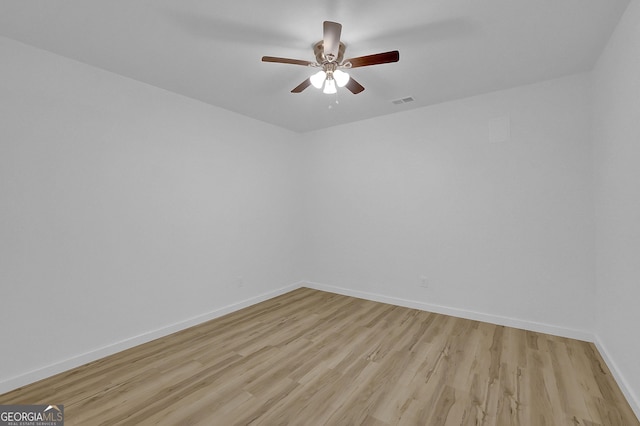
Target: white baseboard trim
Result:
[93, 355]
[461, 313]
[632, 398]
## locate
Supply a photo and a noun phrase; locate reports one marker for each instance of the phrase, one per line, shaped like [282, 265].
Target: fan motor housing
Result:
[318, 50]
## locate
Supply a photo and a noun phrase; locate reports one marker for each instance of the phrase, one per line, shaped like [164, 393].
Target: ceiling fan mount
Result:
[329, 54]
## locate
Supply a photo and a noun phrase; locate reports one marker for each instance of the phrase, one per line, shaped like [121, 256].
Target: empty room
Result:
[338, 213]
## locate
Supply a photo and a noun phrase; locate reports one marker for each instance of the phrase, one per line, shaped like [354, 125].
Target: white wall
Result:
[504, 230]
[617, 183]
[126, 209]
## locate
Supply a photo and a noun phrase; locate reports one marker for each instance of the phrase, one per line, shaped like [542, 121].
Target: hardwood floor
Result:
[314, 358]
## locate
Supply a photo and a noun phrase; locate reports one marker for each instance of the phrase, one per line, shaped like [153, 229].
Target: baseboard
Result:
[461, 313]
[78, 360]
[629, 394]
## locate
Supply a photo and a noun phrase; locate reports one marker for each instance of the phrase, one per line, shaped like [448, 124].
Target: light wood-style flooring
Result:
[314, 358]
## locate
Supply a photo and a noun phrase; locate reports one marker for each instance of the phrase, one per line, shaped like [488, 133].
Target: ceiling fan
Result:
[329, 53]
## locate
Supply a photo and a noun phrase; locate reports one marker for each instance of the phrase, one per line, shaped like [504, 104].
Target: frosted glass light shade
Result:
[330, 87]
[317, 80]
[341, 78]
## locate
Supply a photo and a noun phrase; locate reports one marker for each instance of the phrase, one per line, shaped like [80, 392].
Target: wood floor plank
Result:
[313, 358]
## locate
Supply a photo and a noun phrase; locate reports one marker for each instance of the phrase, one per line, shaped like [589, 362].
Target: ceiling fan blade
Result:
[378, 58]
[300, 87]
[353, 86]
[287, 61]
[331, 39]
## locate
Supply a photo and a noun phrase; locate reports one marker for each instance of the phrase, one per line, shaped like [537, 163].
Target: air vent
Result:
[403, 100]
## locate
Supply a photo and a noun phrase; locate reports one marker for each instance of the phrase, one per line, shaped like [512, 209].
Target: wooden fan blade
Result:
[378, 58]
[300, 87]
[286, 61]
[354, 86]
[331, 39]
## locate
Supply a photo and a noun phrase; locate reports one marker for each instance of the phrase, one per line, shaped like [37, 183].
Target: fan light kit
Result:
[329, 53]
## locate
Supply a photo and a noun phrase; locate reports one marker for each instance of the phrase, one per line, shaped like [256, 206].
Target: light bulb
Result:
[318, 79]
[330, 87]
[341, 78]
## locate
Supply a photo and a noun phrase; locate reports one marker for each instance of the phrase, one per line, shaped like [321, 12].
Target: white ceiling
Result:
[211, 50]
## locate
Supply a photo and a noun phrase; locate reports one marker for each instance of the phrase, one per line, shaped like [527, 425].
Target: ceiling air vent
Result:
[403, 100]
